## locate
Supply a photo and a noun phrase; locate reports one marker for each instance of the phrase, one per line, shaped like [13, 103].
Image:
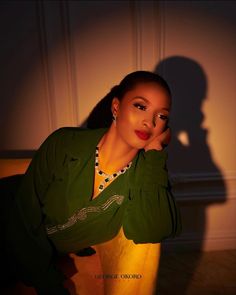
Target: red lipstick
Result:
[142, 134]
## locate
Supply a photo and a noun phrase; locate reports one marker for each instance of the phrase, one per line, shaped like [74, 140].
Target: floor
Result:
[192, 273]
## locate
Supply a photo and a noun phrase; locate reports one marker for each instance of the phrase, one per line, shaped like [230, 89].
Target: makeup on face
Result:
[143, 105]
[142, 114]
[142, 134]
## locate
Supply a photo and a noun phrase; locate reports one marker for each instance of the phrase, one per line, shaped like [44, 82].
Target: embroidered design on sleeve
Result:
[82, 214]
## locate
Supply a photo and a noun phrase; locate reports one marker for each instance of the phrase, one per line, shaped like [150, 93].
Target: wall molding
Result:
[148, 33]
[193, 177]
[43, 46]
[58, 57]
[159, 29]
[70, 62]
[137, 34]
[204, 186]
[214, 240]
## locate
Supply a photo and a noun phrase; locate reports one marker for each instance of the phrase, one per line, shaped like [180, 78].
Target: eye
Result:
[140, 106]
[162, 117]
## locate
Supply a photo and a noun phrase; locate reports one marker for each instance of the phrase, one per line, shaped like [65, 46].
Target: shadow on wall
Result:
[188, 83]
[196, 178]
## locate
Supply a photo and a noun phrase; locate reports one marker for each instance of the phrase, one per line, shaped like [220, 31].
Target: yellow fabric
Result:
[129, 268]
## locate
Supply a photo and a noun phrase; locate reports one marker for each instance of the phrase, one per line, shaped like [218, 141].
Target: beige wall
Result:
[60, 58]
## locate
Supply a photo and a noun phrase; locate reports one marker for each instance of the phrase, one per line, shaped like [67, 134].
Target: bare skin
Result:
[146, 109]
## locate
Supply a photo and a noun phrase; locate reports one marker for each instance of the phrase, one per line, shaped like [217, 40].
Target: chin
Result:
[138, 145]
[134, 142]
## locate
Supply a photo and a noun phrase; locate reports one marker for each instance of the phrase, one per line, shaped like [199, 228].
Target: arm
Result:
[151, 216]
[26, 237]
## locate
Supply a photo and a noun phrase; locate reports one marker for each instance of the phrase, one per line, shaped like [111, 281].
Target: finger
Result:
[165, 137]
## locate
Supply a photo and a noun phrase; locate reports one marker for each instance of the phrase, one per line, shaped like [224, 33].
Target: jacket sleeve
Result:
[152, 214]
[26, 237]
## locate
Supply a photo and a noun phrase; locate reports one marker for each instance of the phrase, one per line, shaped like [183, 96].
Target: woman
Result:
[83, 187]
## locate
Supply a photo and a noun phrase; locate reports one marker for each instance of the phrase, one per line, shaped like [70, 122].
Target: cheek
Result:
[126, 117]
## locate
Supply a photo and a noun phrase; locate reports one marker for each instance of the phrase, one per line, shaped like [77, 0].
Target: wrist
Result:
[154, 169]
[157, 147]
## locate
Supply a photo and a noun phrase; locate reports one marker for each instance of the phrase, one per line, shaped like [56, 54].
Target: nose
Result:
[150, 121]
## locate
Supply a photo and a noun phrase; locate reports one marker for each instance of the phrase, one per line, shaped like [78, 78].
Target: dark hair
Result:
[132, 79]
[101, 115]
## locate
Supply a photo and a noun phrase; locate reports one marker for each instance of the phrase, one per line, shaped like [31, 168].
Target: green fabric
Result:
[59, 185]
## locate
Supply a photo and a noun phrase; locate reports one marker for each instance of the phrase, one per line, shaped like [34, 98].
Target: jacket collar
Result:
[84, 141]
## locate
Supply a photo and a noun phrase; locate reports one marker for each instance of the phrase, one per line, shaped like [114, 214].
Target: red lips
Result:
[142, 134]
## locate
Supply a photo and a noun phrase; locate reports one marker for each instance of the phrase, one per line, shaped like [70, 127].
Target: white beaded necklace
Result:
[108, 177]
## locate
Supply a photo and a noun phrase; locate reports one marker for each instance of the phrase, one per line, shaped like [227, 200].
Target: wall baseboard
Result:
[204, 186]
[217, 241]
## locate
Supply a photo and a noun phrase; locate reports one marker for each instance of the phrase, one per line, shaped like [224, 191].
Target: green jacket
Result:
[53, 207]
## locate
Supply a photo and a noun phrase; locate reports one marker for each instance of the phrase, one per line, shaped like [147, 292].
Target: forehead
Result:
[150, 92]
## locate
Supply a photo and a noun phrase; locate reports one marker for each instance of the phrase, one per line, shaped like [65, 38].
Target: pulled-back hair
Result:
[101, 115]
[135, 78]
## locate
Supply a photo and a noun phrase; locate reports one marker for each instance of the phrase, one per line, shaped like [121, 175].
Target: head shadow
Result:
[197, 181]
[189, 151]
[190, 163]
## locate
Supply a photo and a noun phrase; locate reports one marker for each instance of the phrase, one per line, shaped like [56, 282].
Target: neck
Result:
[114, 152]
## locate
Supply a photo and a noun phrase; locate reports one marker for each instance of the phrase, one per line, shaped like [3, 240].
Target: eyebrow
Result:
[148, 102]
[143, 98]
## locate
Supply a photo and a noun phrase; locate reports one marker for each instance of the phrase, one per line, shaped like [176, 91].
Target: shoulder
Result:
[66, 134]
[73, 139]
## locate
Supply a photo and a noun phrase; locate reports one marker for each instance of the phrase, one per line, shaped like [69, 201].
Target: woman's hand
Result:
[159, 141]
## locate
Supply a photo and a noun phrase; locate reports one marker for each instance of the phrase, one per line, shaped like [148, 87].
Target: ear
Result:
[115, 106]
